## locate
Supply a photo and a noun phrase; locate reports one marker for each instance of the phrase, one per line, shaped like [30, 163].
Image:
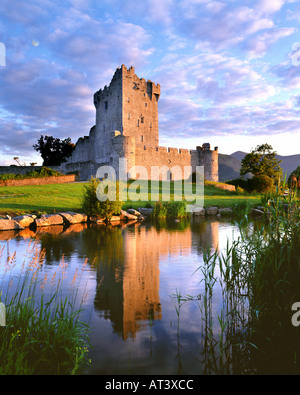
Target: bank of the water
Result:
[49, 199]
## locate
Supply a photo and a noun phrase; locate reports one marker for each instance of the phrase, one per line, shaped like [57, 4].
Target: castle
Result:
[127, 127]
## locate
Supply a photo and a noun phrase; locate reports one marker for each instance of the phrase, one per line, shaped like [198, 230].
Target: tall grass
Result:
[258, 275]
[43, 332]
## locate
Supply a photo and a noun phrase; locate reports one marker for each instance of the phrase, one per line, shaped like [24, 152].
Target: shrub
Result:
[239, 191]
[261, 184]
[92, 206]
[159, 210]
[171, 209]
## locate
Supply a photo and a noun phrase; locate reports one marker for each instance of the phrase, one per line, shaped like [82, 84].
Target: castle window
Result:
[129, 115]
[106, 105]
[145, 104]
[142, 138]
[142, 119]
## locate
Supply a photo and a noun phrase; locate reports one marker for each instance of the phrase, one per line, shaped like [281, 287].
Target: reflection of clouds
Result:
[127, 279]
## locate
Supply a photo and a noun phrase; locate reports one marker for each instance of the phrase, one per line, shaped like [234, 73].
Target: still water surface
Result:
[126, 279]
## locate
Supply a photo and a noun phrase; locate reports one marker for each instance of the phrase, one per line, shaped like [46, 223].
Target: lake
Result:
[127, 280]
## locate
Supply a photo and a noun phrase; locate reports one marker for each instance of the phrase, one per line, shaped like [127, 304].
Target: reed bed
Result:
[43, 332]
[259, 278]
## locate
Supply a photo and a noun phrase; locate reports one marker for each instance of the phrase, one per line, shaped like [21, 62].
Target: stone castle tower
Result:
[127, 127]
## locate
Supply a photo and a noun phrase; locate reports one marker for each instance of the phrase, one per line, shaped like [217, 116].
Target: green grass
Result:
[67, 197]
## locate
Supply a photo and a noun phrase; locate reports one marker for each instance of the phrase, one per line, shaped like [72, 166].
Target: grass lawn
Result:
[67, 197]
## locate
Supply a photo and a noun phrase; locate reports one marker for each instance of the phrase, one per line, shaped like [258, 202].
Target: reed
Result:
[43, 332]
[259, 276]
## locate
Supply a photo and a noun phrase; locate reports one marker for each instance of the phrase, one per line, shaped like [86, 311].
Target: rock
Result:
[115, 218]
[49, 220]
[195, 210]
[127, 215]
[133, 212]
[145, 211]
[225, 211]
[10, 224]
[96, 219]
[211, 211]
[73, 218]
[24, 220]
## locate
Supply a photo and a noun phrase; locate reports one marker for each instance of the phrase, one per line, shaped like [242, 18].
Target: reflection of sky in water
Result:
[125, 280]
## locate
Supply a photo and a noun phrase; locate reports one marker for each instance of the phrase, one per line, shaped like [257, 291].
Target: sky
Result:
[229, 71]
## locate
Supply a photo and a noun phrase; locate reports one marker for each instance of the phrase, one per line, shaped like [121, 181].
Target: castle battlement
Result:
[127, 127]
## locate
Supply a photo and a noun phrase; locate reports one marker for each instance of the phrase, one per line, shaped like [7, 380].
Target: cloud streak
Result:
[225, 68]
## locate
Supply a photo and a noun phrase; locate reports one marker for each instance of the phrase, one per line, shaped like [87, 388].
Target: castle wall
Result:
[109, 109]
[140, 108]
[181, 158]
[127, 127]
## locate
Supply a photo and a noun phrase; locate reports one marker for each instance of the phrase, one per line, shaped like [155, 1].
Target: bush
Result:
[261, 184]
[92, 206]
[172, 209]
[239, 191]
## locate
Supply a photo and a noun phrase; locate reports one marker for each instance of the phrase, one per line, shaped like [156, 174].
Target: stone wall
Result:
[177, 159]
[39, 181]
[140, 108]
[24, 169]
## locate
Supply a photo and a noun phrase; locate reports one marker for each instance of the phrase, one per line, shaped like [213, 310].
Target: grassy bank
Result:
[67, 197]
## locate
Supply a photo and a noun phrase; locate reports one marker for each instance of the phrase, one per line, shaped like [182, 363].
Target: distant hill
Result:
[229, 165]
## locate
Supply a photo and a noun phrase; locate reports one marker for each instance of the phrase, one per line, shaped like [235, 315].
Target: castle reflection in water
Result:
[125, 260]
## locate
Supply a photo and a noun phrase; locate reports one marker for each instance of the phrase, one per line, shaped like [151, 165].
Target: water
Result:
[126, 278]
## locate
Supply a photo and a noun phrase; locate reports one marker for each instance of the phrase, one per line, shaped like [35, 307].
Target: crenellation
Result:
[173, 150]
[127, 127]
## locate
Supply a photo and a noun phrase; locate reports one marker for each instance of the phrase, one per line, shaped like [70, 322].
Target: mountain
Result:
[229, 165]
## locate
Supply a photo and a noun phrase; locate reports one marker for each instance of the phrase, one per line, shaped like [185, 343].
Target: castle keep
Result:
[127, 127]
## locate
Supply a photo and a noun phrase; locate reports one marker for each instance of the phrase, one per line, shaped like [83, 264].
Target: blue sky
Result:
[229, 70]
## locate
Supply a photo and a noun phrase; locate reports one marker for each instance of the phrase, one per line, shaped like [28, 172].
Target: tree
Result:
[53, 150]
[261, 162]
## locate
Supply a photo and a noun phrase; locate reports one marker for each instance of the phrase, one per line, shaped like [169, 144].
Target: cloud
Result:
[211, 58]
